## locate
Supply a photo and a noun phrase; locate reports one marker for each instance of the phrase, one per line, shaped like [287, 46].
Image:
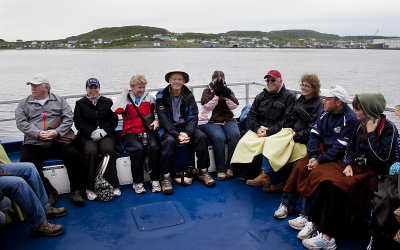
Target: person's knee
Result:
[18, 184]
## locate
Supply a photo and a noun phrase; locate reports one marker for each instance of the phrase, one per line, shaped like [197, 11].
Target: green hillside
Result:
[118, 32]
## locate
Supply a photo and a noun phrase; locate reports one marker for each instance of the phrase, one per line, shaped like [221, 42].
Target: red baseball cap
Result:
[274, 74]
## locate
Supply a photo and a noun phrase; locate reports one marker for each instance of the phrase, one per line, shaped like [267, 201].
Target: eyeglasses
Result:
[270, 80]
[306, 86]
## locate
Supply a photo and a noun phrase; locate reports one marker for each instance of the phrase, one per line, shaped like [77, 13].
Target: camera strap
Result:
[148, 131]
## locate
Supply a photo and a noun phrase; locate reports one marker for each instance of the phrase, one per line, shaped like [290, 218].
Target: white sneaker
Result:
[91, 195]
[308, 231]
[282, 212]
[319, 242]
[117, 192]
[155, 187]
[138, 187]
[298, 223]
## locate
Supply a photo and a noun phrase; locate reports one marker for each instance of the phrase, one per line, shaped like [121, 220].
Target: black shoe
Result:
[76, 198]
[52, 197]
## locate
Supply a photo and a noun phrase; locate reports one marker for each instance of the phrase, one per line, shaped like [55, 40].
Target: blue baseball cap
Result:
[92, 81]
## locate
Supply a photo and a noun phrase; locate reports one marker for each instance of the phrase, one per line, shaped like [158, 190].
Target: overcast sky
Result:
[58, 19]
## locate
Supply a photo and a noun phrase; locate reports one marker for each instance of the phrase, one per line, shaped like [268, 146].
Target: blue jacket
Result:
[189, 112]
[334, 131]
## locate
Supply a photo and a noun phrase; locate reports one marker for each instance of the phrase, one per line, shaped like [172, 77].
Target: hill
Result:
[118, 32]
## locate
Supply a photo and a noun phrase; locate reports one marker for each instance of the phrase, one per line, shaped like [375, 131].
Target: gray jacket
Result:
[32, 117]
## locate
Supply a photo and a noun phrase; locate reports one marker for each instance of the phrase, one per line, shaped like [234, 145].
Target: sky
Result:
[58, 19]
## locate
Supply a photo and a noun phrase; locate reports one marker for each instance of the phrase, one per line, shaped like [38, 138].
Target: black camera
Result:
[361, 161]
[145, 139]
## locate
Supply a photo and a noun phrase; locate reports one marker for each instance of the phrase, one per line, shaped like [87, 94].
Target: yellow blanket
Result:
[279, 148]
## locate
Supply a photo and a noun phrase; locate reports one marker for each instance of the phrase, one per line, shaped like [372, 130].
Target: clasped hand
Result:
[183, 138]
[48, 135]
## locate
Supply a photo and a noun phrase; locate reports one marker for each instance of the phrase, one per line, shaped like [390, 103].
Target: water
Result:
[356, 70]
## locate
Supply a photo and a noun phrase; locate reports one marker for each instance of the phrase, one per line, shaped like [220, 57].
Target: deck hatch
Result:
[156, 216]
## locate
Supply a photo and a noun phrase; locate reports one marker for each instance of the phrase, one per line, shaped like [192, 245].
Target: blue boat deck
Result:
[230, 216]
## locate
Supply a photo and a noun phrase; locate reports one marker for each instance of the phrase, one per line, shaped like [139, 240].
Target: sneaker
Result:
[155, 187]
[206, 178]
[260, 180]
[229, 174]
[52, 212]
[91, 195]
[282, 212]
[273, 188]
[76, 198]
[319, 242]
[53, 197]
[48, 229]
[166, 185]
[221, 176]
[308, 231]
[138, 187]
[298, 223]
[117, 192]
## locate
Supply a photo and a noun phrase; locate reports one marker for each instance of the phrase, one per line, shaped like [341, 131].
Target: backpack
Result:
[102, 187]
[243, 123]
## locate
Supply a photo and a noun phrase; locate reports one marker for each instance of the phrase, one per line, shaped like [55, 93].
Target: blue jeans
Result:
[5, 205]
[289, 199]
[219, 135]
[27, 189]
[276, 177]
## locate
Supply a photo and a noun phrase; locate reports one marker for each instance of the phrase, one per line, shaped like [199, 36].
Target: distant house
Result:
[392, 43]
[73, 41]
[156, 44]
[166, 43]
[211, 44]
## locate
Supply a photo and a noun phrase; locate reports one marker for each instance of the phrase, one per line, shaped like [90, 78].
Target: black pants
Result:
[327, 208]
[137, 153]
[70, 156]
[91, 151]
[198, 141]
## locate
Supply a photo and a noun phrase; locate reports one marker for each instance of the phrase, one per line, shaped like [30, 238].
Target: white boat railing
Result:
[239, 95]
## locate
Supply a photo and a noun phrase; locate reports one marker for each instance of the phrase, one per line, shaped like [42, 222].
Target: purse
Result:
[68, 138]
[103, 189]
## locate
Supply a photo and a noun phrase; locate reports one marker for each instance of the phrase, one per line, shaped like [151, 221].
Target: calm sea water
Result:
[357, 71]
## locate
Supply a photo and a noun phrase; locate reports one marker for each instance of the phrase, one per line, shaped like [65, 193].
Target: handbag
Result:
[65, 140]
[102, 187]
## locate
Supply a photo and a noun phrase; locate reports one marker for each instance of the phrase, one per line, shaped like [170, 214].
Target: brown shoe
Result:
[52, 212]
[262, 179]
[206, 178]
[76, 198]
[166, 185]
[48, 229]
[52, 197]
[273, 188]
[229, 173]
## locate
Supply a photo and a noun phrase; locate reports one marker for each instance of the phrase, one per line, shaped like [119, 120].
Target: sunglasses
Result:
[270, 80]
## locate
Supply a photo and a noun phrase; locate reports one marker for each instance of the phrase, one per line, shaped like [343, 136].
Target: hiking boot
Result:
[229, 174]
[117, 192]
[206, 178]
[319, 242]
[282, 212]
[298, 223]
[166, 185]
[155, 187]
[221, 176]
[138, 187]
[260, 180]
[53, 197]
[308, 231]
[76, 198]
[48, 229]
[273, 188]
[91, 195]
[52, 212]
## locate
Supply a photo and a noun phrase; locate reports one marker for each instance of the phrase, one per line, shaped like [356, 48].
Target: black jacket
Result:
[88, 117]
[303, 117]
[189, 111]
[269, 110]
